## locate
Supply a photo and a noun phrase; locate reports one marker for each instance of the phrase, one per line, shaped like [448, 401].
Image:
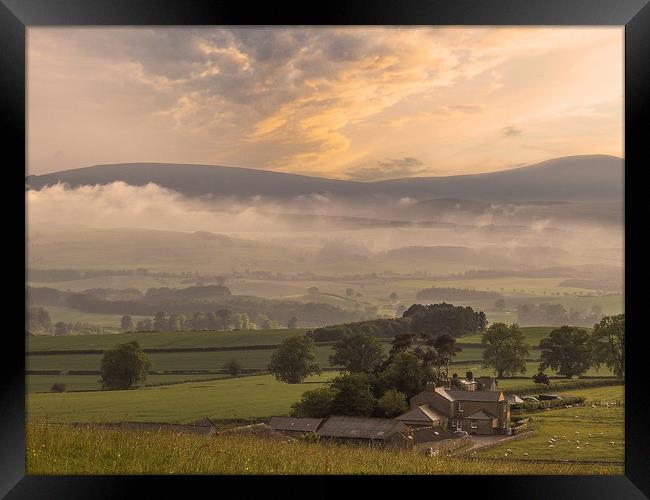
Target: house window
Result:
[474, 424]
[453, 424]
[460, 407]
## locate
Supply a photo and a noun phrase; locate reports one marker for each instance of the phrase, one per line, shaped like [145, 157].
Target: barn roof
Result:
[422, 413]
[295, 424]
[481, 415]
[432, 434]
[360, 427]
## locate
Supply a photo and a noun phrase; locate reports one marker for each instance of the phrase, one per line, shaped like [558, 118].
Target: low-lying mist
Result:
[525, 235]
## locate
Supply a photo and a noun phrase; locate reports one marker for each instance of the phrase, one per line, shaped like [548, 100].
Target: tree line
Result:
[220, 320]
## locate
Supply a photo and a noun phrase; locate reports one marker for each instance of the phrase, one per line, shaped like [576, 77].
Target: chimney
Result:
[469, 376]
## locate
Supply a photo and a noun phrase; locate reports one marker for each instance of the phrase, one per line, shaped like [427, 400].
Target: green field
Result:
[63, 450]
[580, 433]
[253, 359]
[257, 397]
[162, 339]
[43, 383]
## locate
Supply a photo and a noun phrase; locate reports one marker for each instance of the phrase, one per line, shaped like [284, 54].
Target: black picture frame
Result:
[17, 15]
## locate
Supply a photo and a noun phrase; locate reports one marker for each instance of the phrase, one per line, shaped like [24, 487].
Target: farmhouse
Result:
[290, 425]
[422, 416]
[381, 431]
[477, 412]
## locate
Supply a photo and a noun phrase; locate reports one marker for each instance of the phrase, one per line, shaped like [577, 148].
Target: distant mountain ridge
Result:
[570, 178]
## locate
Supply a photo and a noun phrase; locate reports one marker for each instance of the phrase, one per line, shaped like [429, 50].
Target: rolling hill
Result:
[571, 178]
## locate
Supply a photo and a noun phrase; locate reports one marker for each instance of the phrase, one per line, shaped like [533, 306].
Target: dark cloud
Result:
[510, 131]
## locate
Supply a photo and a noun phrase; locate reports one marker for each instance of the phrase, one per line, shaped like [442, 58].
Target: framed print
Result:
[274, 244]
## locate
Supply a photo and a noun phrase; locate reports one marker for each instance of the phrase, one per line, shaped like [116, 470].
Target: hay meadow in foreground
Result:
[87, 450]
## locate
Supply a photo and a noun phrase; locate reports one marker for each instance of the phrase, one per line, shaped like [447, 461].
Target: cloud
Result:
[294, 99]
[510, 131]
[389, 169]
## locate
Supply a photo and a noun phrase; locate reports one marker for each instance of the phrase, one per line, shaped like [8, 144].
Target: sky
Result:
[359, 103]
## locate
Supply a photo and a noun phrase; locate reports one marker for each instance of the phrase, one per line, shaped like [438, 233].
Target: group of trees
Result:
[38, 321]
[434, 319]
[570, 351]
[186, 301]
[373, 383]
[441, 293]
[220, 320]
[556, 315]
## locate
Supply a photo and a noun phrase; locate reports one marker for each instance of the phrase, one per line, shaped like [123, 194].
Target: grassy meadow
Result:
[583, 433]
[256, 397]
[66, 450]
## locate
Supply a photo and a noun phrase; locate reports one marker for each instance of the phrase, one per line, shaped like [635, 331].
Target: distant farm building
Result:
[384, 431]
[290, 425]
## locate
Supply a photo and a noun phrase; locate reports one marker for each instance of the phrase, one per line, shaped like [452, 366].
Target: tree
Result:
[124, 366]
[505, 349]
[211, 322]
[234, 367]
[38, 320]
[566, 350]
[445, 346]
[353, 395]
[500, 304]
[57, 387]
[393, 296]
[175, 323]
[541, 378]
[358, 353]
[198, 321]
[314, 404]
[392, 403]
[608, 343]
[60, 328]
[406, 374]
[293, 361]
[225, 318]
[241, 322]
[292, 323]
[126, 324]
[349, 292]
[160, 323]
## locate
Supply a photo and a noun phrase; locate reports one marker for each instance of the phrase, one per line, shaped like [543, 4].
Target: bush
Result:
[233, 367]
[58, 387]
[310, 437]
[541, 378]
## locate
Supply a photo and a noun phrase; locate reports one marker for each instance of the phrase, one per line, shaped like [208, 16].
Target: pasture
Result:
[87, 450]
[255, 397]
[583, 433]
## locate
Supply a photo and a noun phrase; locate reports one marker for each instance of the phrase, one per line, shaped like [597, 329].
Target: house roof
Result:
[422, 413]
[295, 424]
[360, 427]
[481, 415]
[513, 398]
[431, 434]
[484, 396]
